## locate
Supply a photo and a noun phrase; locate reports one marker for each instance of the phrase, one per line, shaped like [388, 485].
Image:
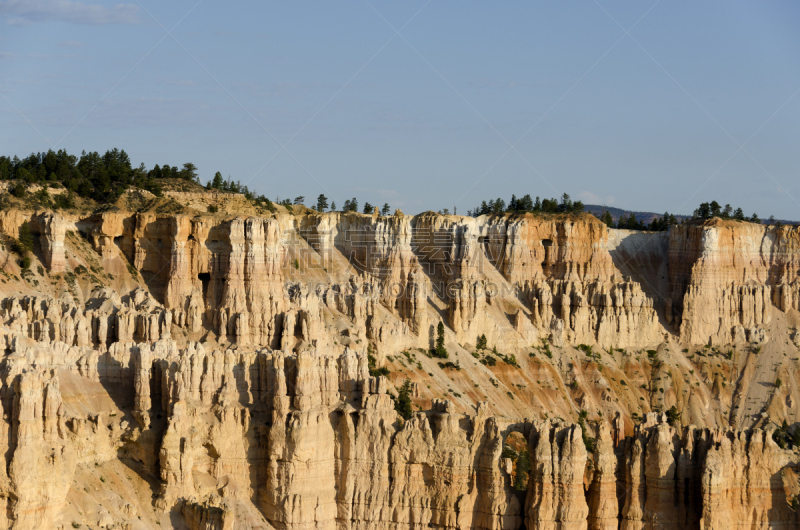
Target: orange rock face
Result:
[283, 372]
[728, 277]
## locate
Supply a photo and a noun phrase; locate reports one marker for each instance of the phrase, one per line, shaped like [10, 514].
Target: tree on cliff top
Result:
[217, 183]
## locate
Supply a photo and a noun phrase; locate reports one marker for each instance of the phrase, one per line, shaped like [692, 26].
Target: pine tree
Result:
[606, 218]
[218, 181]
[385, 209]
[322, 203]
[403, 402]
[189, 172]
[25, 238]
[440, 350]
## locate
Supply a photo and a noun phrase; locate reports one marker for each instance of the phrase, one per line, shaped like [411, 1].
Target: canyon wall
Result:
[728, 277]
[226, 372]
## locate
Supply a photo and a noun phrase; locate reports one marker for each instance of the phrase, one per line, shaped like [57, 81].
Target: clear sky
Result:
[423, 104]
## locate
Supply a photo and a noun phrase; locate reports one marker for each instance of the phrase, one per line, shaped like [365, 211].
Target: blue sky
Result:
[425, 105]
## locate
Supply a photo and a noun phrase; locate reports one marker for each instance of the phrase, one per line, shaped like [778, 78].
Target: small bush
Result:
[588, 441]
[64, 201]
[19, 190]
[545, 348]
[371, 364]
[449, 364]
[510, 360]
[673, 416]
[489, 361]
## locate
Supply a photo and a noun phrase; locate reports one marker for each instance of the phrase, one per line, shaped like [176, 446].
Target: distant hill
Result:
[646, 217]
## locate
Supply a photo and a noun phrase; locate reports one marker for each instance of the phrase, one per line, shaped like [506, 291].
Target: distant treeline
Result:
[105, 177]
[527, 204]
[706, 210]
[709, 210]
[99, 177]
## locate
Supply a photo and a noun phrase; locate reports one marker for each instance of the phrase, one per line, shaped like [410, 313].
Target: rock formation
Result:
[229, 372]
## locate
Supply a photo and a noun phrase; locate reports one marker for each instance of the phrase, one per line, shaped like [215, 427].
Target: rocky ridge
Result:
[220, 372]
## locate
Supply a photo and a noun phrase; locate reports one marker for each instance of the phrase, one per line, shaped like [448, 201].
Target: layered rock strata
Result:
[231, 373]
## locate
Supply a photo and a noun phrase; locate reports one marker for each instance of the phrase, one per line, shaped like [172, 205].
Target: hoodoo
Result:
[288, 370]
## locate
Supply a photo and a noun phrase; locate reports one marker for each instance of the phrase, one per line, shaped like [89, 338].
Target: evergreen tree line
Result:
[527, 204]
[231, 186]
[708, 210]
[100, 177]
[350, 205]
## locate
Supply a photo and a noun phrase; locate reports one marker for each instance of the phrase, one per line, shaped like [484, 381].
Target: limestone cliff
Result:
[228, 372]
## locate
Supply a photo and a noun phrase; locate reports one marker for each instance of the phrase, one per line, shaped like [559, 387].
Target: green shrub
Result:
[403, 402]
[19, 190]
[449, 364]
[588, 441]
[489, 361]
[371, 364]
[673, 416]
[510, 360]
